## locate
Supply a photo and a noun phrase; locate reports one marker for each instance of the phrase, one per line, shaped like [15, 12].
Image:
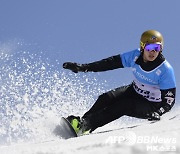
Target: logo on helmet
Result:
[154, 38]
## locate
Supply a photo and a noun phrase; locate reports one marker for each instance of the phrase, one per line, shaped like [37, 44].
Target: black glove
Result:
[74, 67]
[153, 116]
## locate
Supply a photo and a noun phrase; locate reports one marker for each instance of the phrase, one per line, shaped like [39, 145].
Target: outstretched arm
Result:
[110, 63]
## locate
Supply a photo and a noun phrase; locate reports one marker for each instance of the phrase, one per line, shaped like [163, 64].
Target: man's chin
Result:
[151, 58]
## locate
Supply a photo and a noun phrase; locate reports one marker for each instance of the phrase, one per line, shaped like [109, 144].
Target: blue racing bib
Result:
[149, 83]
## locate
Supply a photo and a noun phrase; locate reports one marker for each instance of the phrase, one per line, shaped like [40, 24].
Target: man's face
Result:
[150, 55]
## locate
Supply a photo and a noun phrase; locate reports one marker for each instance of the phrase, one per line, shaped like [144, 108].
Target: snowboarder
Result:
[150, 95]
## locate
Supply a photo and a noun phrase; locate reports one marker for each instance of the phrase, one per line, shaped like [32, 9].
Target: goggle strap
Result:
[142, 44]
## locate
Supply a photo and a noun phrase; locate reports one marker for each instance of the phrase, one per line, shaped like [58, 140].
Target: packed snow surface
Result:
[143, 137]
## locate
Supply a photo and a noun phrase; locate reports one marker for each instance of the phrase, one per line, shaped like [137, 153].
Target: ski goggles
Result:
[151, 47]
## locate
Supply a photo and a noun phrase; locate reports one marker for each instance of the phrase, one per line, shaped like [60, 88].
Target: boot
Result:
[85, 127]
[75, 121]
[81, 126]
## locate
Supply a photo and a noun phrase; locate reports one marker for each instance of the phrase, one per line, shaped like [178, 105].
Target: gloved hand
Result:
[154, 116]
[72, 66]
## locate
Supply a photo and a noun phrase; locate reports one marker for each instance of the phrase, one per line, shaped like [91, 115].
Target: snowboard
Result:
[64, 129]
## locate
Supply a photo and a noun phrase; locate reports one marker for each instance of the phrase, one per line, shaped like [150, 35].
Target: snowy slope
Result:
[33, 97]
[158, 137]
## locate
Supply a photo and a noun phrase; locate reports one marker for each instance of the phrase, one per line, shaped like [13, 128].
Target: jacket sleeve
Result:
[110, 63]
[168, 100]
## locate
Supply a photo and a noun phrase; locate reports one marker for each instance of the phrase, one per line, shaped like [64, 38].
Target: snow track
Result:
[159, 137]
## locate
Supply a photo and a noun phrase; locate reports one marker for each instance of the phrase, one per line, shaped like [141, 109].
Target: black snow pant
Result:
[116, 103]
